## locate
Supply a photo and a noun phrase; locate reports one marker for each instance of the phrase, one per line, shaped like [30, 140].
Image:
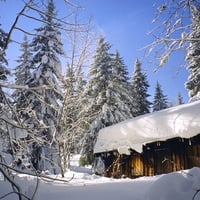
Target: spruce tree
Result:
[4, 107]
[193, 56]
[139, 88]
[95, 96]
[96, 90]
[44, 95]
[23, 70]
[160, 100]
[120, 90]
[3, 61]
[106, 95]
[179, 99]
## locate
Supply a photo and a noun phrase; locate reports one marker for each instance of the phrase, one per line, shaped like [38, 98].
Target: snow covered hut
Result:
[155, 143]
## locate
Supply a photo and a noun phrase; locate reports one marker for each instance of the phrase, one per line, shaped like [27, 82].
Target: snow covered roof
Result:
[180, 121]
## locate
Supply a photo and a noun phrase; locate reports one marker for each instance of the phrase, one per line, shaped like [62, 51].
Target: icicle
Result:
[190, 142]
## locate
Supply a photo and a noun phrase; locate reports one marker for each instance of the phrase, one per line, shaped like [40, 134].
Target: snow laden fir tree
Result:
[193, 56]
[23, 70]
[42, 98]
[139, 89]
[160, 100]
[4, 108]
[106, 97]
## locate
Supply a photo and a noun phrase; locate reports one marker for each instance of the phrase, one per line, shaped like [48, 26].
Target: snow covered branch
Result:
[173, 32]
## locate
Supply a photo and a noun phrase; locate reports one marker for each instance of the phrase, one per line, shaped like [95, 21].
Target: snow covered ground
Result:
[85, 185]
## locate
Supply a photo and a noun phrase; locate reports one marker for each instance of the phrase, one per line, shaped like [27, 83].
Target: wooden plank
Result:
[136, 165]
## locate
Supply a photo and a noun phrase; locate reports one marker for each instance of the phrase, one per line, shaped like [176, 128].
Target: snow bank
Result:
[173, 186]
[176, 186]
[180, 121]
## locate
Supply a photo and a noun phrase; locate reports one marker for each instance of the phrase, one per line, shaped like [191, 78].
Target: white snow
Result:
[195, 98]
[180, 121]
[44, 59]
[85, 185]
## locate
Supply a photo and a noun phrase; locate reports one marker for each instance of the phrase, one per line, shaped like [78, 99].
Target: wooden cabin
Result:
[144, 155]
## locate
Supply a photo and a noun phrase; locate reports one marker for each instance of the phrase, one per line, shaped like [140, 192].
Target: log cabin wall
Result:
[117, 165]
[164, 157]
[157, 158]
[193, 152]
[136, 165]
[171, 155]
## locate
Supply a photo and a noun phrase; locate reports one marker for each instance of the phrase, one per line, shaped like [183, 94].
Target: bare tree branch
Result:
[15, 22]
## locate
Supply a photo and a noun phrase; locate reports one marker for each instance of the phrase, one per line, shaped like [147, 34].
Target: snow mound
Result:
[181, 185]
[176, 186]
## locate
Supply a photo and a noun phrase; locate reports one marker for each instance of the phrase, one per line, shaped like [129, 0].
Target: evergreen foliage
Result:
[106, 97]
[4, 107]
[94, 95]
[179, 99]
[120, 90]
[97, 89]
[193, 55]
[44, 95]
[139, 89]
[3, 61]
[160, 100]
[23, 70]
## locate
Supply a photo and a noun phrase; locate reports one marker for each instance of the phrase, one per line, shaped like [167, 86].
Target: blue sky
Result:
[125, 24]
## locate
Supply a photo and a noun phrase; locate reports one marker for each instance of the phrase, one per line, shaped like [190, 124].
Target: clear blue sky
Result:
[125, 24]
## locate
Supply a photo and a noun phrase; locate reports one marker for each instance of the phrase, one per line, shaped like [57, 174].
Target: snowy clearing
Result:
[85, 185]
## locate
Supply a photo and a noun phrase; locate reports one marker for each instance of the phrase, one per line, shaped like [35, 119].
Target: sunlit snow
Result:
[181, 185]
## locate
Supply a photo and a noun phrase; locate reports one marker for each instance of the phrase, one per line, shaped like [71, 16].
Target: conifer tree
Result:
[95, 95]
[4, 107]
[42, 99]
[23, 70]
[3, 61]
[193, 56]
[160, 100]
[120, 96]
[106, 95]
[139, 88]
[179, 99]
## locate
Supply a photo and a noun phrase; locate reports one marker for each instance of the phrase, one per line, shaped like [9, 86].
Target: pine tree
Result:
[23, 70]
[120, 90]
[193, 56]
[42, 99]
[97, 86]
[179, 99]
[106, 95]
[94, 96]
[3, 61]
[139, 88]
[160, 100]
[4, 107]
